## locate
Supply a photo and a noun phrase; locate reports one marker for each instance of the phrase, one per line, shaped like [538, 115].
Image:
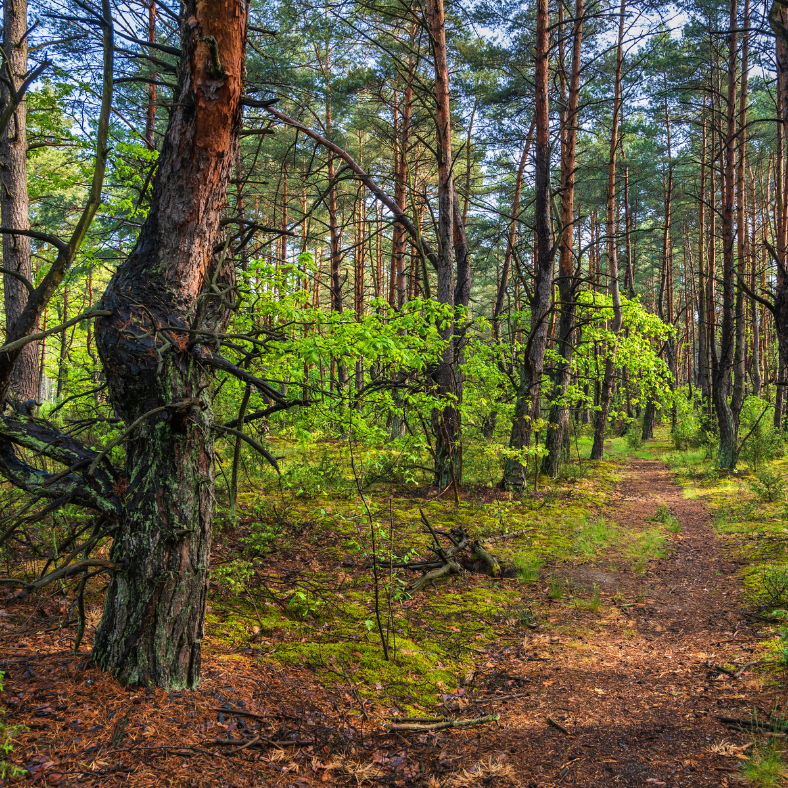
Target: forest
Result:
[393, 392]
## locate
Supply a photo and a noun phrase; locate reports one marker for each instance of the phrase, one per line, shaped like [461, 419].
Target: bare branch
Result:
[252, 442]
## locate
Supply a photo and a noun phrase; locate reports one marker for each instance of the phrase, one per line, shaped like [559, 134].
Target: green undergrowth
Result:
[293, 581]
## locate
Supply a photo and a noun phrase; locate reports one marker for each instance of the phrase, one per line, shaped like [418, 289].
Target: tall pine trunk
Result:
[722, 362]
[606, 392]
[526, 407]
[445, 419]
[558, 428]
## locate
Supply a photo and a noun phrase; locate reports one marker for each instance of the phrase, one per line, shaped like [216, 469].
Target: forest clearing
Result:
[614, 654]
[393, 393]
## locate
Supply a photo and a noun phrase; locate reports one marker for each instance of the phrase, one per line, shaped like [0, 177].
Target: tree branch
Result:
[252, 442]
[388, 202]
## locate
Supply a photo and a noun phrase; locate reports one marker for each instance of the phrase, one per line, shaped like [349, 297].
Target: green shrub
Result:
[769, 486]
[635, 435]
[771, 588]
[664, 516]
[761, 442]
[573, 472]
[310, 478]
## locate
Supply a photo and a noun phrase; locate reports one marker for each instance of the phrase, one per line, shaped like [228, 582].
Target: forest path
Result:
[630, 684]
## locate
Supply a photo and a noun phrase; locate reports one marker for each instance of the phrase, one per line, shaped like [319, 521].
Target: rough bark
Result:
[152, 626]
[150, 115]
[14, 197]
[528, 391]
[703, 353]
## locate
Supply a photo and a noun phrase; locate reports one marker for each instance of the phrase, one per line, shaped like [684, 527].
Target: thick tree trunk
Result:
[13, 197]
[152, 626]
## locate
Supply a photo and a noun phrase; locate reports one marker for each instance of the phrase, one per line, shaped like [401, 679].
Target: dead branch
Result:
[445, 723]
[449, 568]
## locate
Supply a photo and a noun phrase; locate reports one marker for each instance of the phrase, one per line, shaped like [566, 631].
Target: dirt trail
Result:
[631, 684]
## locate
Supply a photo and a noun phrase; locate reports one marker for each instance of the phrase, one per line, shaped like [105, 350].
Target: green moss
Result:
[413, 676]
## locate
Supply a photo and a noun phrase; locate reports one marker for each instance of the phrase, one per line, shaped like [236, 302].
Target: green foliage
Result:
[527, 568]
[311, 475]
[635, 435]
[769, 586]
[765, 767]
[594, 604]
[572, 473]
[7, 735]
[769, 486]
[663, 515]
[594, 535]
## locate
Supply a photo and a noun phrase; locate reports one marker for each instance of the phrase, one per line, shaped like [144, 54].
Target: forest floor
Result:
[618, 673]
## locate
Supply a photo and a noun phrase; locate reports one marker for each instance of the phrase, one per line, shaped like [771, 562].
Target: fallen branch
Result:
[446, 561]
[752, 725]
[259, 740]
[720, 669]
[744, 667]
[445, 723]
[557, 725]
[449, 568]
[490, 561]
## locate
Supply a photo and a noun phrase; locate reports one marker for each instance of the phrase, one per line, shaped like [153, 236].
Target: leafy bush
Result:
[311, 478]
[690, 425]
[769, 486]
[763, 445]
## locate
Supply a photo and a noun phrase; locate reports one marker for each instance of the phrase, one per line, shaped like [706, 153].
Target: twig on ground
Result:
[720, 669]
[446, 723]
[752, 725]
[557, 725]
[744, 667]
